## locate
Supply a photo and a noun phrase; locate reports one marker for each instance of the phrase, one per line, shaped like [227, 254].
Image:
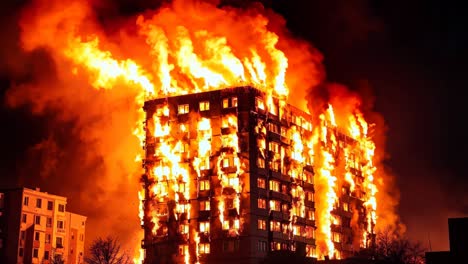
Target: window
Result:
[261, 163]
[204, 205]
[50, 205]
[273, 146]
[204, 185]
[183, 109]
[60, 224]
[225, 225]
[59, 242]
[261, 246]
[275, 205]
[275, 226]
[205, 163]
[184, 229]
[285, 208]
[35, 253]
[36, 236]
[230, 102]
[261, 224]
[230, 245]
[310, 214]
[22, 234]
[261, 183]
[48, 238]
[182, 187]
[49, 222]
[205, 227]
[46, 255]
[309, 196]
[261, 203]
[183, 249]
[284, 188]
[259, 103]
[21, 252]
[61, 208]
[336, 237]
[39, 203]
[204, 106]
[204, 248]
[228, 162]
[24, 218]
[82, 235]
[37, 219]
[26, 201]
[274, 185]
[345, 207]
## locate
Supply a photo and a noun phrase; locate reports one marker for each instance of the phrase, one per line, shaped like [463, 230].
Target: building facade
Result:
[36, 228]
[231, 176]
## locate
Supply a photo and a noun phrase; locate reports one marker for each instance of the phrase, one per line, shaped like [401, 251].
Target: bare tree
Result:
[107, 251]
[390, 247]
[57, 259]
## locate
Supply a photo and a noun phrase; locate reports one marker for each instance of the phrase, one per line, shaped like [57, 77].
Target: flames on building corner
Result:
[192, 46]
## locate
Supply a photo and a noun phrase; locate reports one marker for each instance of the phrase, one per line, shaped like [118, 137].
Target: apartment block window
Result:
[36, 236]
[204, 185]
[284, 188]
[184, 229]
[49, 222]
[228, 162]
[82, 235]
[22, 234]
[261, 224]
[183, 249]
[274, 185]
[204, 106]
[24, 218]
[26, 201]
[275, 226]
[261, 246]
[35, 253]
[183, 109]
[61, 208]
[46, 255]
[204, 205]
[230, 245]
[285, 209]
[50, 205]
[261, 183]
[37, 219]
[60, 224]
[261, 163]
[275, 205]
[59, 242]
[21, 252]
[39, 203]
[345, 207]
[259, 103]
[261, 203]
[205, 163]
[273, 146]
[230, 102]
[205, 227]
[48, 238]
[336, 237]
[309, 196]
[225, 225]
[310, 214]
[204, 248]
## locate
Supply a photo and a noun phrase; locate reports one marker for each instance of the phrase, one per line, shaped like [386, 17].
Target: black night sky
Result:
[413, 56]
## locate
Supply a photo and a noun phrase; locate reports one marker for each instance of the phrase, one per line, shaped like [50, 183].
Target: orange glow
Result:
[188, 47]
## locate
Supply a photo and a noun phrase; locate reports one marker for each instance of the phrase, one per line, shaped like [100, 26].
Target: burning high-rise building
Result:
[234, 174]
[231, 169]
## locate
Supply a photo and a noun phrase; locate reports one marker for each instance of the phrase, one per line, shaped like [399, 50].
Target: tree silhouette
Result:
[107, 251]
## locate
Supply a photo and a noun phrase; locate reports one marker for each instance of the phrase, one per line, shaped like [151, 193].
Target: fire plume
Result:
[190, 47]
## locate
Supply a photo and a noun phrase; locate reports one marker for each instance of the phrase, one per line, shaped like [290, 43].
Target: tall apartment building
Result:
[230, 177]
[35, 228]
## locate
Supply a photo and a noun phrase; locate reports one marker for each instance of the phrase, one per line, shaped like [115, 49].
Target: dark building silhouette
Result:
[458, 239]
